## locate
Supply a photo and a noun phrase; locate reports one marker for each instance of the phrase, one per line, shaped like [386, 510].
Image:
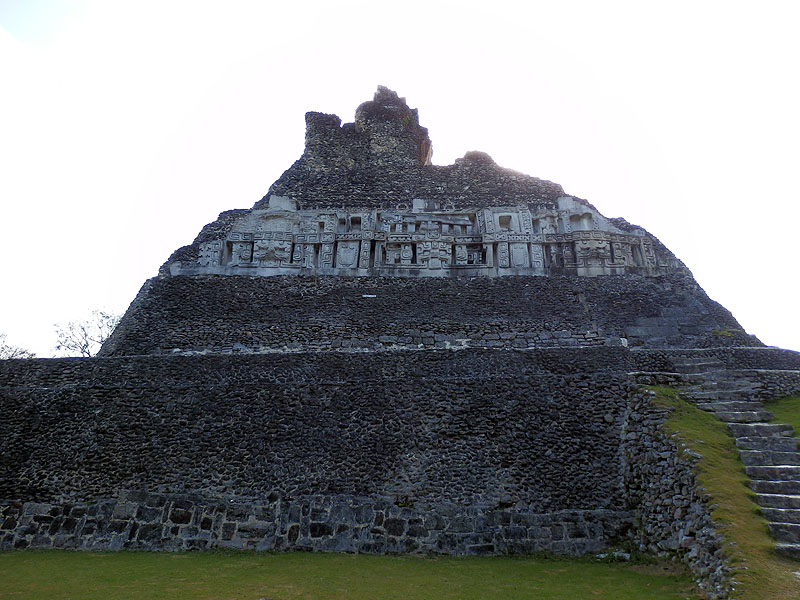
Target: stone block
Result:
[254, 530]
[461, 525]
[149, 514]
[395, 527]
[36, 508]
[180, 516]
[317, 529]
[150, 534]
[516, 532]
[481, 549]
[117, 526]
[228, 530]
[41, 541]
[124, 510]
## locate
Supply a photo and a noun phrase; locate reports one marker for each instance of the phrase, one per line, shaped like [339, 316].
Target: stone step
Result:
[697, 365]
[744, 416]
[778, 444]
[760, 429]
[790, 550]
[764, 486]
[781, 515]
[731, 405]
[698, 383]
[717, 395]
[778, 501]
[693, 379]
[769, 457]
[774, 473]
[683, 358]
[785, 532]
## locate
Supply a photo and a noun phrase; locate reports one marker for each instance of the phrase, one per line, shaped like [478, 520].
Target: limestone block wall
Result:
[454, 452]
[771, 372]
[672, 513]
[741, 358]
[540, 428]
[295, 313]
[336, 523]
[775, 384]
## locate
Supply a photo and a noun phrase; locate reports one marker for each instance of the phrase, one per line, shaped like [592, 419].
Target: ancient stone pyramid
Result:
[384, 355]
[489, 258]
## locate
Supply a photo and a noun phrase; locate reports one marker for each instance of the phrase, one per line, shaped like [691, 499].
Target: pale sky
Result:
[127, 126]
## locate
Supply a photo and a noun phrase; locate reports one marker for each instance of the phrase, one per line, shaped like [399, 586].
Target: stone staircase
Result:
[768, 450]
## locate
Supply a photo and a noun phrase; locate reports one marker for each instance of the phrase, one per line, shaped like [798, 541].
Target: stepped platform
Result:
[768, 450]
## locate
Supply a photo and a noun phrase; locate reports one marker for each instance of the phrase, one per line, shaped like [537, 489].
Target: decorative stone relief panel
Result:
[520, 256]
[209, 254]
[347, 253]
[502, 255]
[427, 241]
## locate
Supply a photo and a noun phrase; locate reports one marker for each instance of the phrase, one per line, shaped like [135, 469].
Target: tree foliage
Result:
[9, 351]
[84, 338]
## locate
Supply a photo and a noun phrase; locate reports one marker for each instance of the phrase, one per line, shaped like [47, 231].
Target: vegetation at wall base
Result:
[219, 575]
[762, 573]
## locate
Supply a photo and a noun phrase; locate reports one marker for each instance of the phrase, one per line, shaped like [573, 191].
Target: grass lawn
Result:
[61, 575]
[721, 473]
[786, 410]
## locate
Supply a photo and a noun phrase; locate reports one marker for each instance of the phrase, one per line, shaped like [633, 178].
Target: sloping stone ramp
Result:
[768, 450]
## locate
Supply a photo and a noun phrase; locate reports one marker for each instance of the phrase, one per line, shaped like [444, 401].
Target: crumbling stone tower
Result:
[385, 355]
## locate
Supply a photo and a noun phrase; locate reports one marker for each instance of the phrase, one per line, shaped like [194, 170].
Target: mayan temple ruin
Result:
[384, 355]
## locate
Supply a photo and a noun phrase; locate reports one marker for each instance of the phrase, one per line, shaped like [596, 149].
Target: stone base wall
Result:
[146, 521]
[474, 427]
[453, 452]
[775, 384]
[672, 512]
[667, 514]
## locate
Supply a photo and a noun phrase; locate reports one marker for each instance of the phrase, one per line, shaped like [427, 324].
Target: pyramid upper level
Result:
[383, 160]
[363, 245]
[364, 199]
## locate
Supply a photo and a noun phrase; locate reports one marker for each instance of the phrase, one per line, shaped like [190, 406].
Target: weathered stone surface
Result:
[672, 512]
[292, 527]
[298, 313]
[459, 426]
[428, 240]
[344, 467]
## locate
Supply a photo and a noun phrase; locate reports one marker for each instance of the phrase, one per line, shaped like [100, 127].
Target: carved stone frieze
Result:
[428, 241]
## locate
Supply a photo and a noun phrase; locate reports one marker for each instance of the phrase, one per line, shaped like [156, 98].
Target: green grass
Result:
[721, 473]
[62, 575]
[786, 410]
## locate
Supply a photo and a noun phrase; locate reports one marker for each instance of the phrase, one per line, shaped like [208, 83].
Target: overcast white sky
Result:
[127, 126]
